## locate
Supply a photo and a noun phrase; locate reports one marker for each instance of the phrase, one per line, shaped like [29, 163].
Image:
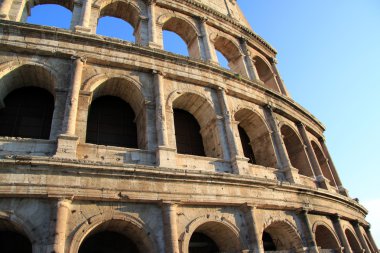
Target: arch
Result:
[266, 75]
[353, 241]
[283, 235]
[52, 13]
[68, 4]
[296, 150]
[133, 228]
[203, 111]
[184, 29]
[222, 232]
[370, 245]
[126, 89]
[126, 11]
[14, 228]
[259, 136]
[232, 52]
[323, 163]
[325, 237]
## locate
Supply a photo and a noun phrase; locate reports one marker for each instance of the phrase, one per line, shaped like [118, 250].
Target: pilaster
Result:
[5, 7]
[308, 231]
[342, 236]
[63, 211]
[251, 67]
[254, 236]
[279, 81]
[210, 53]
[84, 25]
[359, 234]
[169, 215]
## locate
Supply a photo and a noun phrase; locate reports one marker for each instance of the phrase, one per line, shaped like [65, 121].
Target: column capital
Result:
[151, 2]
[322, 139]
[64, 203]
[82, 58]
[273, 60]
[158, 72]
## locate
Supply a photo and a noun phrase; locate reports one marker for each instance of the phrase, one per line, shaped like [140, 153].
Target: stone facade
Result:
[59, 191]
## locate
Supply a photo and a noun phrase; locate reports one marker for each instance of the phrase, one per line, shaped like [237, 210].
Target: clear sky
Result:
[329, 58]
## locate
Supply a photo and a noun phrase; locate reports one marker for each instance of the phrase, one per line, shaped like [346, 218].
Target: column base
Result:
[292, 175]
[240, 165]
[67, 146]
[313, 249]
[155, 45]
[82, 29]
[323, 182]
[343, 191]
[165, 157]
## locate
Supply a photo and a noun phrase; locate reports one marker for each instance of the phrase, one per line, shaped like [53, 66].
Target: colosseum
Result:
[119, 147]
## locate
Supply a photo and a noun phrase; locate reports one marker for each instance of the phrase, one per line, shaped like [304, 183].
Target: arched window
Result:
[111, 122]
[323, 163]
[12, 239]
[27, 113]
[108, 242]
[188, 138]
[296, 151]
[201, 243]
[223, 62]
[265, 74]
[354, 243]
[281, 236]
[246, 144]
[325, 239]
[186, 32]
[113, 18]
[115, 28]
[255, 138]
[231, 53]
[51, 15]
[174, 43]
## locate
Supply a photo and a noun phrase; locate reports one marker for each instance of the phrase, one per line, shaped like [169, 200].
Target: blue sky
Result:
[329, 58]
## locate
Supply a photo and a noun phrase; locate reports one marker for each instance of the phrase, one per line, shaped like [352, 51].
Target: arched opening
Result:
[174, 43]
[325, 239]
[111, 122]
[117, 115]
[186, 32]
[323, 163]
[223, 62]
[12, 239]
[58, 14]
[354, 243]
[201, 243]
[372, 249]
[255, 137]
[121, 20]
[280, 236]
[296, 151]
[205, 116]
[231, 53]
[27, 113]
[116, 236]
[187, 134]
[265, 74]
[213, 237]
[120, 29]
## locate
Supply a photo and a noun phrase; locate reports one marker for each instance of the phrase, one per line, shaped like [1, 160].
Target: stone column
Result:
[210, 53]
[254, 236]
[372, 241]
[312, 157]
[311, 243]
[5, 7]
[283, 161]
[169, 215]
[359, 234]
[280, 83]
[63, 211]
[165, 155]
[239, 162]
[342, 236]
[333, 170]
[252, 71]
[152, 29]
[84, 25]
[68, 141]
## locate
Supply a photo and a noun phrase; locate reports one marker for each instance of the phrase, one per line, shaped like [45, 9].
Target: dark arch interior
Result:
[325, 239]
[247, 148]
[354, 244]
[108, 242]
[187, 133]
[13, 242]
[201, 243]
[27, 113]
[268, 242]
[111, 122]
